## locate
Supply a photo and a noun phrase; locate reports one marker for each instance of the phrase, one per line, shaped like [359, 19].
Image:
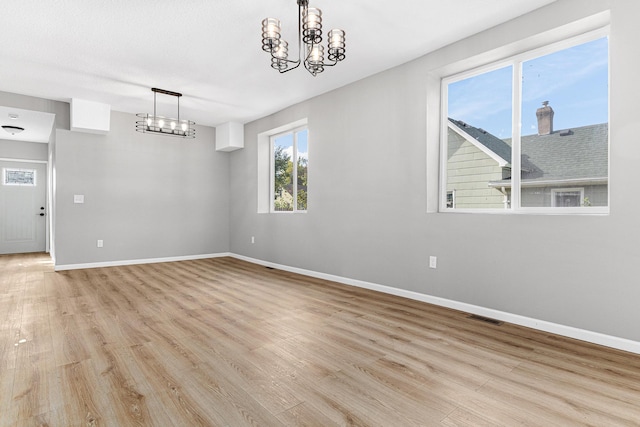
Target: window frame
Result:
[515, 61]
[294, 131]
[263, 155]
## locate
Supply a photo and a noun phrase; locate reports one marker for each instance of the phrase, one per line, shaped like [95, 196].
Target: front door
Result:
[22, 207]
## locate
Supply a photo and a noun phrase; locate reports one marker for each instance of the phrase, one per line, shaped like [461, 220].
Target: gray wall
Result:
[23, 150]
[146, 196]
[368, 194]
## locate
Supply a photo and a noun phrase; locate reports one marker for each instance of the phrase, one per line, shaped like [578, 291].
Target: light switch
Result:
[78, 198]
[433, 262]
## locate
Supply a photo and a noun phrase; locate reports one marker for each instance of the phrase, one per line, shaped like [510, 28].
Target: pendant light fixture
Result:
[152, 123]
[12, 129]
[310, 49]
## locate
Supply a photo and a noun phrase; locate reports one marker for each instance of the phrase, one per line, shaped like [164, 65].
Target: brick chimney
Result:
[545, 119]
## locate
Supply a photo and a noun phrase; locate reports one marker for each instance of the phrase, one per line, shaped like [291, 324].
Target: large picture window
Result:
[529, 133]
[289, 166]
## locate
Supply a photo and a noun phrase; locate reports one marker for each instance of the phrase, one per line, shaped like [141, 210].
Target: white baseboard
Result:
[137, 261]
[567, 331]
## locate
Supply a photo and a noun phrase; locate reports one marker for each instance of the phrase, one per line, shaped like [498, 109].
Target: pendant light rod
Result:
[165, 92]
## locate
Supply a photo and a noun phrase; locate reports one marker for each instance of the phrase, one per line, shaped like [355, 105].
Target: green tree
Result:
[302, 183]
[302, 200]
[283, 180]
[283, 196]
[283, 169]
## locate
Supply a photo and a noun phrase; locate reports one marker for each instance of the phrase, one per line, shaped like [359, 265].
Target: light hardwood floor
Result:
[223, 342]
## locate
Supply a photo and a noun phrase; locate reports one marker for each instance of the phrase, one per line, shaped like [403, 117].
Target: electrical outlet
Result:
[253, 239]
[433, 262]
[100, 243]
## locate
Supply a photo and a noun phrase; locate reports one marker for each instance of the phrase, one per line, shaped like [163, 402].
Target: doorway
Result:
[23, 213]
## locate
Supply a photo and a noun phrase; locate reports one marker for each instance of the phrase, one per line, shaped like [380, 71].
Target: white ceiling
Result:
[37, 125]
[209, 50]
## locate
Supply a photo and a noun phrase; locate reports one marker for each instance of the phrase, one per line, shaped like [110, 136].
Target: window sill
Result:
[533, 211]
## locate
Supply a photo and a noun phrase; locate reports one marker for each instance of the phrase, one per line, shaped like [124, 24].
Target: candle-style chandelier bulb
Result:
[312, 25]
[270, 34]
[315, 61]
[279, 57]
[336, 45]
[310, 50]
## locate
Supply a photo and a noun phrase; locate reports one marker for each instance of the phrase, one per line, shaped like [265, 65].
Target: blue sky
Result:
[286, 141]
[573, 80]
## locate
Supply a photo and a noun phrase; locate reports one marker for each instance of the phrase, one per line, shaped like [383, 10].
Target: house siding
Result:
[469, 170]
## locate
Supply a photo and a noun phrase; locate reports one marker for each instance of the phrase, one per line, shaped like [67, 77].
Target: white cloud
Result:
[301, 154]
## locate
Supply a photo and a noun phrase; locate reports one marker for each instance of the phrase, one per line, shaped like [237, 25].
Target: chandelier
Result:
[309, 42]
[152, 123]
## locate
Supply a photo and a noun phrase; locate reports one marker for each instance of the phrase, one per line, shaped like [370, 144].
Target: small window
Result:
[23, 177]
[569, 198]
[451, 199]
[289, 166]
[520, 134]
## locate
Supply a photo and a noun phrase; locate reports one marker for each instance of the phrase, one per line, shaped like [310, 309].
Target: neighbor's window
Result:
[451, 199]
[25, 177]
[289, 164]
[554, 158]
[569, 197]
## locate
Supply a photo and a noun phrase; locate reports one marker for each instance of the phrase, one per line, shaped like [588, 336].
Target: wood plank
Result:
[228, 343]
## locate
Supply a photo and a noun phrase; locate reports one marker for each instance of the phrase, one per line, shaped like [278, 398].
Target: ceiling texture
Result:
[115, 51]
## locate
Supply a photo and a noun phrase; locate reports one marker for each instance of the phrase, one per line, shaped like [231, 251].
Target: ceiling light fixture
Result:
[152, 123]
[309, 39]
[12, 129]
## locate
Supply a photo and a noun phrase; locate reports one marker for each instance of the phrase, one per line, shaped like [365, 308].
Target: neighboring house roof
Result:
[566, 155]
[493, 143]
[575, 155]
